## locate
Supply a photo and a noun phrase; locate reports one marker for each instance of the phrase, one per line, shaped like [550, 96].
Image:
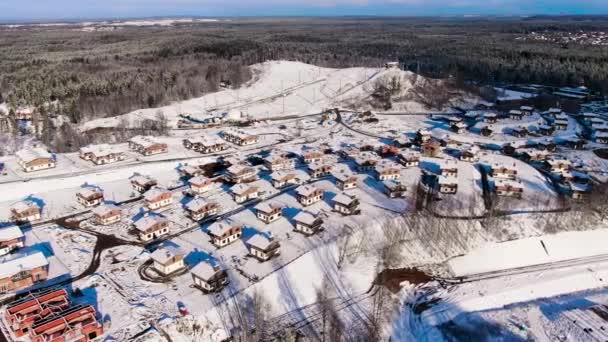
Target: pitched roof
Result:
[305, 217]
[24, 205]
[306, 190]
[163, 255]
[268, 207]
[17, 263]
[204, 270]
[10, 233]
[29, 155]
[260, 241]
[154, 193]
[147, 222]
[220, 228]
[103, 209]
[344, 199]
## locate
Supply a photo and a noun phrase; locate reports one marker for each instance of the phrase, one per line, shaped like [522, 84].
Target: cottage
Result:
[394, 189]
[158, 198]
[307, 223]
[199, 185]
[508, 188]
[526, 110]
[22, 313]
[263, 246]
[601, 137]
[447, 185]
[77, 323]
[402, 142]
[448, 169]
[241, 174]
[366, 161]
[345, 181]
[471, 154]
[309, 157]
[25, 211]
[423, 135]
[239, 137]
[579, 191]
[534, 155]
[281, 179]
[147, 145]
[490, 118]
[576, 143]
[151, 227]
[547, 145]
[554, 111]
[268, 212]
[459, 127]
[387, 171]
[223, 233]
[102, 154]
[504, 172]
[190, 171]
[205, 145]
[516, 115]
[200, 208]
[519, 132]
[431, 149]
[508, 149]
[20, 271]
[486, 131]
[208, 277]
[389, 151]
[89, 196]
[168, 260]
[279, 162]
[107, 214]
[11, 239]
[546, 129]
[142, 183]
[308, 194]
[319, 169]
[349, 152]
[35, 159]
[558, 165]
[601, 128]
[244, 192]
[561, 125]
[409, 158]
[346, 204]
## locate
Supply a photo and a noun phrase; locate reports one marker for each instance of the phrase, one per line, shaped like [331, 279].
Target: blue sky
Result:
[55, 9]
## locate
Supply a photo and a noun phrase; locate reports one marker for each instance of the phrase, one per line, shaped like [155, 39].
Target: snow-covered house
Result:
[168, 260]
[345, 181]
[575, 143]
[307, 223]
[579, 191]
[519, 132]
[89, 196]
[263, 246]
[349, 152]
[387, 170]
[151, 227]
[601, 137]
[526, 110]
[547, 145]
[200, 185]
[561, 125]
[241, 173]
[534, 155]
[447, 185]
[281, 179]
[208, 277]
[313, 156]
[142, 183]
[516, 115]
[205, 145]
[504, 171]
[508, 188]
[558, 165]
[449, 169]
[486, 131]
[147, 145]
[490, 118]
[346, 204]
[102, 154]
[21, 271]
[394, 189]
[35, 159]
[157, 198]
[459, 127]
[190, 171]
[223, 233]
[279, 162]
[366, 161]
[409, 158]
[244, 192]
[554, 111]
[319, 169]
[546, 129]
[11, 238]
[107, 214]
[431, 149]
[268, 212]
[423, 135]
[308, 194]
[239, 137]
[470, 154]
[200, 208]
[25, 211]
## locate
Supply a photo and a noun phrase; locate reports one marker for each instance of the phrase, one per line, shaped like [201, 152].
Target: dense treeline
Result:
[104, 73]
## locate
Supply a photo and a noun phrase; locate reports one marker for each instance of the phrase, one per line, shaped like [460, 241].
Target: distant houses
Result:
[279, 162]
[409, 158]
[503, 171]
[147, 146]
[35, 159]
[508, 188]
[102, 154]
[205, 145]
[319, 169]
[239, 137]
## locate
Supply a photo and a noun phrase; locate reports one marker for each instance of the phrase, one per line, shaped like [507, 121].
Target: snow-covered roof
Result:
[387, 167]
[29, 155]
[10, 233]
[197, 204]
[144, 141]
[526, 108]
[204, 270]
[558, 161]
[443, 180]
[141, 179]
[147, 222]
[267, 207]
[344, 176]
[15, 264]
[241, 188]
[24, 205]
[318, 165]
[515, 112]
[280, 175]
[306, 190]
[101, 150]
[104, 209]
[305, 217]
[89, 191]
[199, 180]
[579, 187]
[163, 255]
[508, 183]
[152, 194]
[392, 184]
[220, 228]
[260, 241]
[344, 199]
[239, 169]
